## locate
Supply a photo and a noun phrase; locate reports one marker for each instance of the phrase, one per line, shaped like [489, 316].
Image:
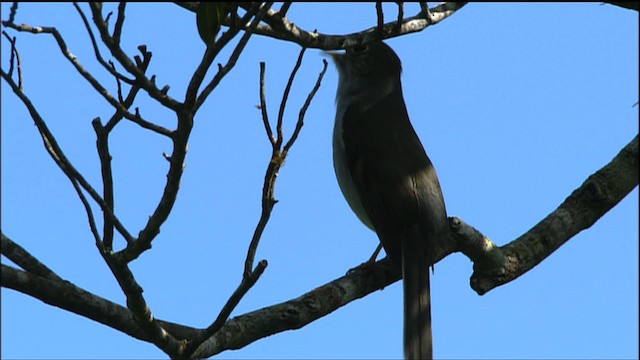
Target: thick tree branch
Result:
[631, 5]
[597, 195]
[279, 27]
[294, 314]
[67, 296]
[136, 302]
[21, 257]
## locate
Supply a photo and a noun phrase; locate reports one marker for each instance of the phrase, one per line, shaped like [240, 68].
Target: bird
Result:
[387, 178]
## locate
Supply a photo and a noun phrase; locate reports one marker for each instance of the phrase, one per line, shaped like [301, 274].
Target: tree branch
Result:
[85, 74]
[279, 27]
[630, 5]
[147, 84]
[21, 257]
[58, 156]
[67, 296]
[223, 70]
[597, 195]
[278, 154]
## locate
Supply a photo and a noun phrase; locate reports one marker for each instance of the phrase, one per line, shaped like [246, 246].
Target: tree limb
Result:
[597, 195]
[67, 296]
[279, 27]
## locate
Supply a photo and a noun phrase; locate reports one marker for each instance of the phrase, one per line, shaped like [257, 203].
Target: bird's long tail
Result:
[417, 299]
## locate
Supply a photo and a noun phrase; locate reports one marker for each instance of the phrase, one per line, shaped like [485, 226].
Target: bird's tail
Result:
[417, 299]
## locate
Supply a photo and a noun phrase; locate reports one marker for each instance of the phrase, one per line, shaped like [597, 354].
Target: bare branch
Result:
[245, 285]
[117, 29]
[400, 15]
[67, 296]
[631, 5]
[304, 108]
[281, 28]
[102, 146]
[138, 306]
[285, 7]
[597, 195]
[294, 314]
[263, 107]
[109, 67]
[285, 99]
[12, 11]
[56, 153]
[223, 70]
[117, 52]
[277, 159]
[87, 76]
[380, 18]
[14, 59]
[213, 49]
[21, 257]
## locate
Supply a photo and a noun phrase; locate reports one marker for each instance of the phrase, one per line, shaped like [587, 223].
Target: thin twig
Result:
[117, 29]
[284, 8]
[263, 106]
[12, 11]
[14, 59]
[102, 145]
[304, 108]
[400, 15]
[56, 153]
[180, 138]
[245, 285]
[223, 70]
[87, 76]
[127, 64]
[277, 160]
[285, 98]
[380, 18]
[110, 68]
[213, 49]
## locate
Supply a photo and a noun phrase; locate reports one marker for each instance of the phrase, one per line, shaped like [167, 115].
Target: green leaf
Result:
[209, 19]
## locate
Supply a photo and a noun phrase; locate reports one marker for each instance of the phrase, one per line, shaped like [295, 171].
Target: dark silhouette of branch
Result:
[631, 5]
[86, 75]
[67, 296]
[14, 59]
[94, 44]
[278, 154]
[260, 12]
[19, 256]
[145, 83]
[493, 265]
[58, 156]
[588, 203]
[279, 27]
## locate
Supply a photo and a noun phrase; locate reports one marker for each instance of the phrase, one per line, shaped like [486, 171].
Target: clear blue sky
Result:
[516, 104]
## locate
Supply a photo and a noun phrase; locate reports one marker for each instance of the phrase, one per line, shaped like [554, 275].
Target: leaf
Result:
[209, 18]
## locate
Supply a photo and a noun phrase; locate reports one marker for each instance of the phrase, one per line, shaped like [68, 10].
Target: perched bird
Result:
[387, 177]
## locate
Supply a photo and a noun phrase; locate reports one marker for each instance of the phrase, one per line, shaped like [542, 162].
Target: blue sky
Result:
[516, 104]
